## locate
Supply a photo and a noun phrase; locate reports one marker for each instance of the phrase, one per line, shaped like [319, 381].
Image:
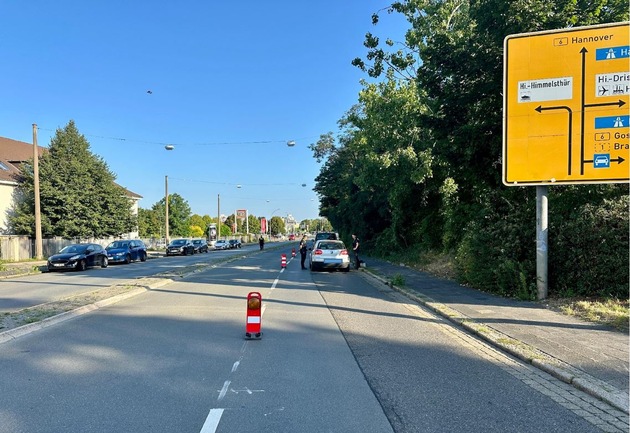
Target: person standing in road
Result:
[303, 251]
[355, 250]
[261, 242]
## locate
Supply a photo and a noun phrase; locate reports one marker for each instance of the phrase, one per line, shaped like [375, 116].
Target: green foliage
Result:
[398, 280]
[78, 194]
[151, 223]
[590, 246]
[254, 223]
[417, 166]
[276, 226]
[178, 215]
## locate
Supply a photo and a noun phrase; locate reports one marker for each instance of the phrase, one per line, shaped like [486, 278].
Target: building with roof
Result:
[13, 154]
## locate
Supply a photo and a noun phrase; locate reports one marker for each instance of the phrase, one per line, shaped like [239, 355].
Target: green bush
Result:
[589, 250]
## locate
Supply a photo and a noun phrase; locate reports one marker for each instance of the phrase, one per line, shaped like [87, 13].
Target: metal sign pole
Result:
[541, 241]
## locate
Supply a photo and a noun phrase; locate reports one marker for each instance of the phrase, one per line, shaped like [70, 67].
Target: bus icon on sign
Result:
[601, 160]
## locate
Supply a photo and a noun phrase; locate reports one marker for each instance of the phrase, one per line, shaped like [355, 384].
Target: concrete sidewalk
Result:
[592, 357]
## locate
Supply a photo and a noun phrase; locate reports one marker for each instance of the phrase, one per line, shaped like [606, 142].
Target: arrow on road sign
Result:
[618, 160]
[619, 103]
[540, 109]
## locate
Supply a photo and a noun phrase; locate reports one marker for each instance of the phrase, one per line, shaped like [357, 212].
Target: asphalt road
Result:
[337, 354]
[23, 292]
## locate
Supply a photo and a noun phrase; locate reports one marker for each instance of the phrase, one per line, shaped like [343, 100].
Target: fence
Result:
[19, 248]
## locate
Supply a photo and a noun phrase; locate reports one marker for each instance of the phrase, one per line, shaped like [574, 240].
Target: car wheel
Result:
[346, 269]
[104, 262]
[81, 266]
[143, 257]
[128, 259]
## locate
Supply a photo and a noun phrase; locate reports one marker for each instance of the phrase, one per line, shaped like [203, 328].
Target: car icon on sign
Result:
[601, 161]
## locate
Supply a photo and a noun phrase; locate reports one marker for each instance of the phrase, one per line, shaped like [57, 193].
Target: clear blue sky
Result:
[231, 83]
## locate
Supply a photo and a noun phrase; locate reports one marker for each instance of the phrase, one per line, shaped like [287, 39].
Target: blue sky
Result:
[231, 83]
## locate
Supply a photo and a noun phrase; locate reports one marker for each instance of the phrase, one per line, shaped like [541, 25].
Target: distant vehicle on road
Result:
[78, 257]
[291, 237]
[201, 246]
[222, 244]
[329, 254]
[124, 251]
[235, 243]
[180, 247]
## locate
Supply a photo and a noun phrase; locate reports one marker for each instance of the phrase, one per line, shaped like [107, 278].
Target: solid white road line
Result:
[212, 421]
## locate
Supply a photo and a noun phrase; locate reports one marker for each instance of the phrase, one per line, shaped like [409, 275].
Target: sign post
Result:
[565, 114]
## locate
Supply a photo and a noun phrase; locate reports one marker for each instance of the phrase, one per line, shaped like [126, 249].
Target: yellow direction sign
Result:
[565, 106]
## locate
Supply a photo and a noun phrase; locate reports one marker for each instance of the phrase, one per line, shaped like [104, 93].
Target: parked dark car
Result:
[235, 243]
[180, 247]
[201, 246]
[78, 257]
[124, 251]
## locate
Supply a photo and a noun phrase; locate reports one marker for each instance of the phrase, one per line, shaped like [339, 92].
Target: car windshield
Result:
[118, 245]
[196, 242]
[73, 249]
[331, 246]
[178, 242]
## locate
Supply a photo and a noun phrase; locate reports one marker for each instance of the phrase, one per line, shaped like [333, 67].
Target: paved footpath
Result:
[591, 357]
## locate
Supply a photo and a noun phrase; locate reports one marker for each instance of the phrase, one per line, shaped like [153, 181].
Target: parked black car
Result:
[235, 243]
[124, 251]
[201, 246]
[78, 257]
[180, 247]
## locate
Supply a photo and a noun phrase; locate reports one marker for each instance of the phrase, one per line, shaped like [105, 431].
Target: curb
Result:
[523, 351]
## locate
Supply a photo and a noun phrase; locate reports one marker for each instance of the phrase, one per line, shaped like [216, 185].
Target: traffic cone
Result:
[253, 321]
[283, 261]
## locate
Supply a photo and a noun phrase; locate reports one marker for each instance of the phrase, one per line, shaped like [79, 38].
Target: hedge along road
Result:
[337, 354]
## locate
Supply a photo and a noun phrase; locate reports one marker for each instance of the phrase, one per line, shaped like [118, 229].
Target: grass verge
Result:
[607, 311]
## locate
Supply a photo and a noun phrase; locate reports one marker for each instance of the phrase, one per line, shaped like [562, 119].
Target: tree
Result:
[78, 194]
[418, 160]
[276, 226]
[150, 224]
[254, 223]
[178, 215]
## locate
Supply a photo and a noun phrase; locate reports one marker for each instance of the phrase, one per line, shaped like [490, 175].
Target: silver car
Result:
[222, 245]
[329, 254]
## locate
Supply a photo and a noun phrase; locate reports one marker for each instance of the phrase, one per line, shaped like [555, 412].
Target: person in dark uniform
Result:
[303, 251]
[261, 242]
[355, 250]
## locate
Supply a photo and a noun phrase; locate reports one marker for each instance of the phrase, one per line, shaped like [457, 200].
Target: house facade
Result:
[13, 154]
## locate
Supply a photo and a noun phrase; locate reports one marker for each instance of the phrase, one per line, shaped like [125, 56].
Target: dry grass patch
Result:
[611, 312]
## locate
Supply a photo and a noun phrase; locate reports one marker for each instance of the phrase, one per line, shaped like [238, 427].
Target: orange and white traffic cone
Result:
[253, 323]
[283, 261]
[293, 252]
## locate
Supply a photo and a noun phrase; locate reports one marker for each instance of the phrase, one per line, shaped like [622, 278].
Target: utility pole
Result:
[38, 216]
[166, 203]
[218, 215]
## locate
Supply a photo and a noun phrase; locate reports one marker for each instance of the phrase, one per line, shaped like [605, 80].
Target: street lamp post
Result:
[166, 209]
[166, 237]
